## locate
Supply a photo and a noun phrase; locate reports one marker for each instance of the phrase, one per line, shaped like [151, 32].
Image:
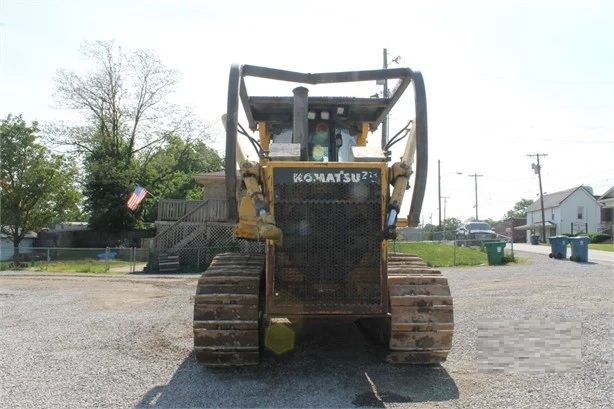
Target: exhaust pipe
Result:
[300, 121]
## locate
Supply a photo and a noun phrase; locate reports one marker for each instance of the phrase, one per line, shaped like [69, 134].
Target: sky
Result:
[504, 80]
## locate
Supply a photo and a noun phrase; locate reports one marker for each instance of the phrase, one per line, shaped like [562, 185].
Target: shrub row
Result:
[593, 237]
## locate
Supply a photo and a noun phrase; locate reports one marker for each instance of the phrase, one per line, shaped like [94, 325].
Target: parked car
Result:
[475, 234]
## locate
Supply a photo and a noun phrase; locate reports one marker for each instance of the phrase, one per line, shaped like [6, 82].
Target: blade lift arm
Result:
[265, 224]
[400, 172]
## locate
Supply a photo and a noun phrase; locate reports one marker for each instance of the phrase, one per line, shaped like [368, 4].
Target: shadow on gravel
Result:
[332, 366]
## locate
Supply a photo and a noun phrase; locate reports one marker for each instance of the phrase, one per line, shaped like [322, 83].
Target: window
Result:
[552, 216]
[580, 215]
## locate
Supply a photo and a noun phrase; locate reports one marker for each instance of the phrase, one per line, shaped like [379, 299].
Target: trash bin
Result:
[494, 250]
[558, 246]
[579, 248]
[535, 239]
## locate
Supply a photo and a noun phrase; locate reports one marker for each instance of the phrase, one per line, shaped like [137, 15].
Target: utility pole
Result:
[475, 176]
[439, 188]
[537, 168]
[445, 203]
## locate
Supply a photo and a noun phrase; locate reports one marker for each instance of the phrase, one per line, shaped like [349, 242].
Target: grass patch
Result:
[68, 266]
[601, 246]
[442, 255]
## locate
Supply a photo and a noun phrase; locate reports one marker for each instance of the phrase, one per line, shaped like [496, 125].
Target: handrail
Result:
[183, 219]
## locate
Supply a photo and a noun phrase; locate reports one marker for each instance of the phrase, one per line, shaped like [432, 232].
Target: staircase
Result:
[168, 263]
[181, 241]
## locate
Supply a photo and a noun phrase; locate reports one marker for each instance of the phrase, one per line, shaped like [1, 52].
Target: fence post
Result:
[454, 258]
[106, 257]
[133, 256]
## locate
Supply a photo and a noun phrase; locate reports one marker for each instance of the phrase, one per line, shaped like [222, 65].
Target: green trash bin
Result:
[494, 250]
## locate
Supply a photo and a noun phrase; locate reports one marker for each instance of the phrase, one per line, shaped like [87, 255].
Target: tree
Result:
[37, 186]
[125, 102]
[451, 223]
[520, 209]
[170, 170]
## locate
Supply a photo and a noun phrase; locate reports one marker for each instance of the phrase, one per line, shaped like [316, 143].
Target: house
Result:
[569, 211]
[25, 246]
[507, 228]
[69, 226]
[606, 201]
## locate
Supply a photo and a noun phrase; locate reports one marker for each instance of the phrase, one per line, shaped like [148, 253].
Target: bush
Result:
[599, 237]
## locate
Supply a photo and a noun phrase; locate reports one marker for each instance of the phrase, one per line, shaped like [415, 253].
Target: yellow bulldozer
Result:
[326, 206]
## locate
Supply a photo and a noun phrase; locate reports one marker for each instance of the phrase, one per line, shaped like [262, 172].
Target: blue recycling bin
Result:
[558, 246]
[535, 239]
[579, 248]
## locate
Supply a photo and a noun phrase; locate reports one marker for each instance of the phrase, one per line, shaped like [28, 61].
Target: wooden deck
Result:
[175, 209]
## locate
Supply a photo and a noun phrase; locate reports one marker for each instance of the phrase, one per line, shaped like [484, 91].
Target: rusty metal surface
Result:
[422, 316]
[226, 311]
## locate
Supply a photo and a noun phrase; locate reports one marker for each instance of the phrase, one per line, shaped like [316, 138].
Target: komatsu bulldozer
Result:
[325, 204]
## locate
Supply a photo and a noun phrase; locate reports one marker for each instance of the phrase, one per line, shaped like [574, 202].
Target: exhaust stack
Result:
[300, 121]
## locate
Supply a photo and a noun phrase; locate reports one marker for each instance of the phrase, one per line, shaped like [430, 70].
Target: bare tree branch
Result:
[124, 97]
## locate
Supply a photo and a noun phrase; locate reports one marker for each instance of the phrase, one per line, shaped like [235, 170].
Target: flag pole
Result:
[148, 192]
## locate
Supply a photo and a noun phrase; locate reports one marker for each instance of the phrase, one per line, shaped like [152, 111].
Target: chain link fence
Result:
[196, 252]
[79, 260]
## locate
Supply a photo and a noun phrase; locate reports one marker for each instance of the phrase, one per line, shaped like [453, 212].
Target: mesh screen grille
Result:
[330, 256]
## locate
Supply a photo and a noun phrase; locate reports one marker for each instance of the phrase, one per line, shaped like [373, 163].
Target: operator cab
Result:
[327, 142]
[334, 126]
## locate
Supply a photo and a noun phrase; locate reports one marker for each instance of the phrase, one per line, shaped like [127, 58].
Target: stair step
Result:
[168, 263]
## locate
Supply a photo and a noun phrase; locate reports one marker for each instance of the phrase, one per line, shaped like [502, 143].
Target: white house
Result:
[574, 210]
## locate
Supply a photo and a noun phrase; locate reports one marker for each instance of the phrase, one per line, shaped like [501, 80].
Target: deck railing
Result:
[175, 209]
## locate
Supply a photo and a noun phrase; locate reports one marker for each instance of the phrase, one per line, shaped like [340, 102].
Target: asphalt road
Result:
[82, 341]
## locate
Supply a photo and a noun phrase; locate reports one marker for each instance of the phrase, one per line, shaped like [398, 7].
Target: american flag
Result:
[136, 197]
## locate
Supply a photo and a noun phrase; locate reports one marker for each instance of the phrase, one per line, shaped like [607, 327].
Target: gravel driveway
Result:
[125, 342]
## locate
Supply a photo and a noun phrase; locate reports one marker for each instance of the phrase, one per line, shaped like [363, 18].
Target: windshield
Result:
[479, 226]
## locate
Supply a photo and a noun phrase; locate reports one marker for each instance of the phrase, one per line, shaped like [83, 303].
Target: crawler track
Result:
[226, 313]
[422, 318]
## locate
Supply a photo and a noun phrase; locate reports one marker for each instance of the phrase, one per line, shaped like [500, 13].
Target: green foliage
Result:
[520, 209]
[110, 174]
[599, 237]
[38, 187]
[451, 223]
[169, 171]
[133, 134]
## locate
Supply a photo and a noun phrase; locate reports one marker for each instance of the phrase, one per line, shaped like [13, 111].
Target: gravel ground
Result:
[125, 342]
